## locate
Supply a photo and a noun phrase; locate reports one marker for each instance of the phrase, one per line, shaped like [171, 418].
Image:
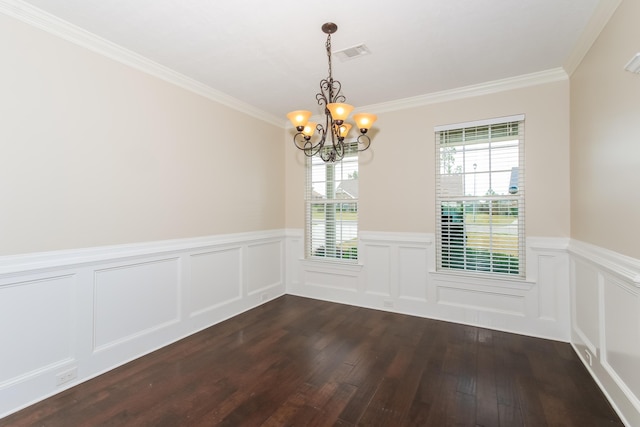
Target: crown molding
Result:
[495, 86]
[74, 34]
[603, 12]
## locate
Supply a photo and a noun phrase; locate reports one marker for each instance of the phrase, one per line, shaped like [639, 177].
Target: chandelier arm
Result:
[322, 131]
[325, 156]
[303, 144]
[301, 141]
[310, 151]
[336, 152]
[339, 149]
[309, 147]
[331, 156]
[365, 141]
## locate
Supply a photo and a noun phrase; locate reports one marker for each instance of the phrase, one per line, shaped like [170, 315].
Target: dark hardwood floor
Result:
[298, 362]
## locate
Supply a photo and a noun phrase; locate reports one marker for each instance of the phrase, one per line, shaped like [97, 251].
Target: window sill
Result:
[493, 280]
[332, 264]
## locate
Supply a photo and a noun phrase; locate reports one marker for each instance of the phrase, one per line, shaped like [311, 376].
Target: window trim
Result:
[351, 151]
[477, 123]
[442, 198]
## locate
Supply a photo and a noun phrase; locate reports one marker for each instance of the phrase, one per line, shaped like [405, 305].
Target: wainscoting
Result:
[396, 272]
[605, 289]
[69, 316]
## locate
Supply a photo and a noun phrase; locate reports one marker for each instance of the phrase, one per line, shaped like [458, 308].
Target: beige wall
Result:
[397, 174]
[96, 153]
[605, 138]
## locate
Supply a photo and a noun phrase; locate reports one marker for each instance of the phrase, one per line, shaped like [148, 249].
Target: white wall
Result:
[604, 142]
[96, 152]
[68, 316]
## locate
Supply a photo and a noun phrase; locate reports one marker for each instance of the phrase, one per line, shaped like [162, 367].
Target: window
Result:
[332, 208]
[480, 196]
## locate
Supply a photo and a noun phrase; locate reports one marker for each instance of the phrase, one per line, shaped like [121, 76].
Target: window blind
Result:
[480, 210]
[332, 207]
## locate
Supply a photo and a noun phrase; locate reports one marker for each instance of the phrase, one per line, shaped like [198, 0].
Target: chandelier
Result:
[330, 145]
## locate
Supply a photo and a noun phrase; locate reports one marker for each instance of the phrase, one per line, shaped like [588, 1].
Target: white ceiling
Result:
[271, 55]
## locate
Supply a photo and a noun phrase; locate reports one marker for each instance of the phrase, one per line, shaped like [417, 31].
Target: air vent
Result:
[634, 64]
[352, 52]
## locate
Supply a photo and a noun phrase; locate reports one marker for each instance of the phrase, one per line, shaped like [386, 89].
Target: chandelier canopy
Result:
[330, 146]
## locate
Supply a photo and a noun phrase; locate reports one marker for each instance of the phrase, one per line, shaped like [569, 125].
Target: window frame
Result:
[347, 254]
[463, 244]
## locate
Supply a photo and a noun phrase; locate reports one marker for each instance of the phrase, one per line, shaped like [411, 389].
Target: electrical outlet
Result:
[588, 356]
[388, 303]
[66, 376]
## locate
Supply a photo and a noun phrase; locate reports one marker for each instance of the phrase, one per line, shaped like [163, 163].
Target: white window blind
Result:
[332, 208]
[480, 197]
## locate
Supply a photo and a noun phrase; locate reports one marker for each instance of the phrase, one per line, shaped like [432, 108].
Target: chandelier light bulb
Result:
[309, 129]
[339, 111]
[299, 118]
[364, 121]
[343, 130]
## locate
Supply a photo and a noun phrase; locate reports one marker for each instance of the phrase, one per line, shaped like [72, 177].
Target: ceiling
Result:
[271, 55]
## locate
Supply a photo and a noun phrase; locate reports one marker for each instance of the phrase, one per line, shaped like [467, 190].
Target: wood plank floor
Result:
[301, 362]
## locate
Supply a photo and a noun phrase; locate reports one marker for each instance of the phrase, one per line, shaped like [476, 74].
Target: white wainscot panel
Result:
[622, 332]
[215, 280]
[294, 251]
[331, 278]
[412, 273]
[547, 294]
[131, 300]
[484, 300]
[37, 319]
[264, 266]
[378, 281]
[586, 304]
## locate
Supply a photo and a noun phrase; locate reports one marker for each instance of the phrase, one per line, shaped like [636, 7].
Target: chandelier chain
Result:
[328, 47]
